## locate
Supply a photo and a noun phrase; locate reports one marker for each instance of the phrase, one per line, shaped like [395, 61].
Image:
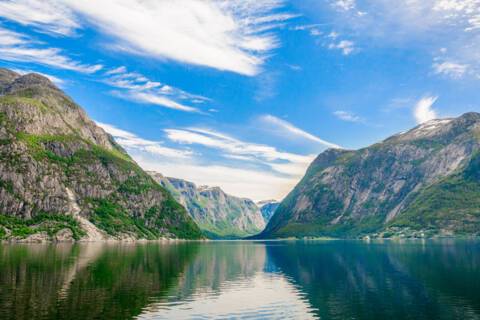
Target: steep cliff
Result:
[420, 183]
[63, 177]
[218, 214]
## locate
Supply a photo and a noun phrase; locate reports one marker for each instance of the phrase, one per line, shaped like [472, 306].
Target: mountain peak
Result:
[60, 168]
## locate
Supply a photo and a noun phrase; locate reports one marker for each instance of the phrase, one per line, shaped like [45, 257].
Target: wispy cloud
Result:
[347, 116]
[450, 69]
[430, 25]
[344, 4]
[132, 142]
[236, 35]
[21, 48]
[227, 35]
[52, 17]
[230, 146]
[290, 129]
[140, 89]
[346, 46]
[259, 172]
[330, 40]
[423, 110]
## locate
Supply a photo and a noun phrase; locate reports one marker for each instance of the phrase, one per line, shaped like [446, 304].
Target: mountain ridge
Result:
[62, 177]
[219, 215]
[385, 189]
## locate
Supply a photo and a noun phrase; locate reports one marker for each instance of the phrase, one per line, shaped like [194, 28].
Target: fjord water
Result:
[237, 279]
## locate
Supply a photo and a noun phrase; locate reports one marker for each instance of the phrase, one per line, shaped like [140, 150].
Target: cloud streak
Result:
[347, 116]
[232, 35]
[232, 147]
[259, 172]
[132, 142]
[18, 47]
[290, 129]
[51, 17]
[140, 89]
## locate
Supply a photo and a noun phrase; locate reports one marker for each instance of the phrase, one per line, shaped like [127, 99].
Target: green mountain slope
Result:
[421, 183]
[219, 215]
[63, 177]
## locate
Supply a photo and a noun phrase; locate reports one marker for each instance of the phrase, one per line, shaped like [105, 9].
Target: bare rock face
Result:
[418, 183]
[59, 170]
[218, 214]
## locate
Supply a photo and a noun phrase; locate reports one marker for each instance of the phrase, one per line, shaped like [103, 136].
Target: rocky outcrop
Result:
[420, 183]
[218, 214]
[59, 170]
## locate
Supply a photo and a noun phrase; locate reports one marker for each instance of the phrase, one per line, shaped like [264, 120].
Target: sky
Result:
[245, 94]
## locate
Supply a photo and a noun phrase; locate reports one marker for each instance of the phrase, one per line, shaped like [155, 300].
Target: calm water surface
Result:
[242, 280]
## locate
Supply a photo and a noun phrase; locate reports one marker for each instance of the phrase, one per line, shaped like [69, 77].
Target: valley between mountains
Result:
[62, 178]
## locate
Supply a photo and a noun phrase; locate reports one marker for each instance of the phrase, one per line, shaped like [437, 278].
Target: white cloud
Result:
[260, 171]
[21, 48]
[426, 25]
[451, 69]
[140, 89]
[290, 129]
[346, 46]
[344, 4]
[230, 146]
[59, 82]
[347, 116]
[47, 16]
[132, 142]
[423, 110]
[227, 35]
[232, 35]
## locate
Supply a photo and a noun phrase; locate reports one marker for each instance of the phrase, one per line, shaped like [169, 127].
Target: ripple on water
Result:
[263, 296]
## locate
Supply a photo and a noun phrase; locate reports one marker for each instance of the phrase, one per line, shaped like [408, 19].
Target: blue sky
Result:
[245, 94]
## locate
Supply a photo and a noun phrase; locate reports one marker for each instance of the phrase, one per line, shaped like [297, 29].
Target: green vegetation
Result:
[44, 222]
[111, 218]
[23, 100]
[348, 228]
[7, 185]
[157, 222]
[138, 184]
[173, 217]
[452, 204]
[77, 158]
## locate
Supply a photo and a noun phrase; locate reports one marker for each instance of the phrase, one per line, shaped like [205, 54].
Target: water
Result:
[242, 280]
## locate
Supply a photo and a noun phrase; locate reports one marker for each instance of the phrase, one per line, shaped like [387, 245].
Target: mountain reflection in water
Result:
[236, 279]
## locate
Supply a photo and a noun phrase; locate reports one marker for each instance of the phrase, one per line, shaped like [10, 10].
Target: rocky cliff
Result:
[63, 177]
[218, 214]
[420, 183]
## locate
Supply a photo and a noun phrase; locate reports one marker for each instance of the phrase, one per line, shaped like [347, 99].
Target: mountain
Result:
[267, 208]
[218, 214]
[421, 183]
[63, 177]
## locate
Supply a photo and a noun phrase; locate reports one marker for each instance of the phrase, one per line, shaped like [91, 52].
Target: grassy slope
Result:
[452, 204]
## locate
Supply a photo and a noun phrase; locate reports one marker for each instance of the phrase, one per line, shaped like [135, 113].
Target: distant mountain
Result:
[267, 208]
[218, 214]
[420, 183]
[62, 177]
